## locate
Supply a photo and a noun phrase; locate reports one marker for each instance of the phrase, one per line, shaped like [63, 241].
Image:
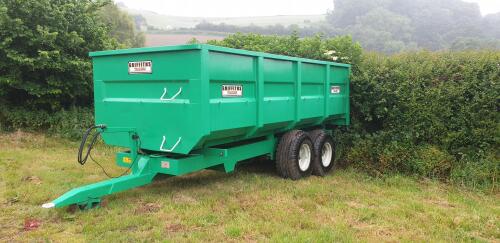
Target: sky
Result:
[487, 6]
[236, 8]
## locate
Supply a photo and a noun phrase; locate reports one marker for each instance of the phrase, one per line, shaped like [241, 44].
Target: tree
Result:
[121, 26]
[470, 43]
[44, 46]
[383, 30]
[438, 23]
[346, 11]
[394, 25]
[490, 25]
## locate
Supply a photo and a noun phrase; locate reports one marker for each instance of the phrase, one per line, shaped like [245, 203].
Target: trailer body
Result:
[266, 94]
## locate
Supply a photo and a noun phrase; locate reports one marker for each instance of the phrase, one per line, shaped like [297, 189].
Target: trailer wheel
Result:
[324, 149]
[294, 155]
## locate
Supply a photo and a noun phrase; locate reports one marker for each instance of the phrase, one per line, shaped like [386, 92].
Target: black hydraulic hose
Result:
[82, 160]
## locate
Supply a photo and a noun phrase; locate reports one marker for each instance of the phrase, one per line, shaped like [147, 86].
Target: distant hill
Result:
[168, 22]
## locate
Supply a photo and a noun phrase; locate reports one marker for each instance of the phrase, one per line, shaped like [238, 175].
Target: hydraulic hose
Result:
[83, 159]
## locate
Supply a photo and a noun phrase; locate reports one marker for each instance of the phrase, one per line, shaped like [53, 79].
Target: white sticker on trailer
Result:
[140, 67]
[165, 164]
[335, 89]
[230, 90]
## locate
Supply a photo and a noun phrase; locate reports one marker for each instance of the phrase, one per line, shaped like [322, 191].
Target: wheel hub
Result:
[326, 154]
[304, 157]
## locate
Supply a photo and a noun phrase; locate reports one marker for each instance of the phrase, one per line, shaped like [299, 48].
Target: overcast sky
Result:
[487, 6]
[235, 8]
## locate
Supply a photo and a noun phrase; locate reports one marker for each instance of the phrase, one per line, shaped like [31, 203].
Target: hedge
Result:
[67, 123]
[433, 114]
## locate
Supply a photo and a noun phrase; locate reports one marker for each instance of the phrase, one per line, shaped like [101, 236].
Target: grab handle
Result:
[171, 98]
[173, 147]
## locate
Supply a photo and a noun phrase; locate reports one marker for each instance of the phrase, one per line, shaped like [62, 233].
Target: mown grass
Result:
[252, 204]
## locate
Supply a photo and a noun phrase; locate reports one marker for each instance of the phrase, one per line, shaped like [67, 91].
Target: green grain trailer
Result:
[181, 109]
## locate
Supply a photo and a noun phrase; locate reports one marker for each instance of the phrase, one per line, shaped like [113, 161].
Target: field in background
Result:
[252, 204]
[167, 22]
[177, 39]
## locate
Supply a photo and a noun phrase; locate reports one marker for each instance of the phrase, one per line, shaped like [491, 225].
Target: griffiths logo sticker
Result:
[335, 90]
[231, 90]
[140, 67]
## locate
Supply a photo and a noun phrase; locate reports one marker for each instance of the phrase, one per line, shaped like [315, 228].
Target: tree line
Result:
[392, 26]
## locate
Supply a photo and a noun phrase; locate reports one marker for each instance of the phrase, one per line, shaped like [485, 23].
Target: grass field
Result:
[252, 204]
[177, 39]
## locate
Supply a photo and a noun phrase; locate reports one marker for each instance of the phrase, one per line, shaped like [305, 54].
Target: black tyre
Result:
[294, 155]
[324, 150]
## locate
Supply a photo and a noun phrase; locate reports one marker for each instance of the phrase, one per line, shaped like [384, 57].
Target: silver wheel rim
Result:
[304, 156]
[326, 154]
